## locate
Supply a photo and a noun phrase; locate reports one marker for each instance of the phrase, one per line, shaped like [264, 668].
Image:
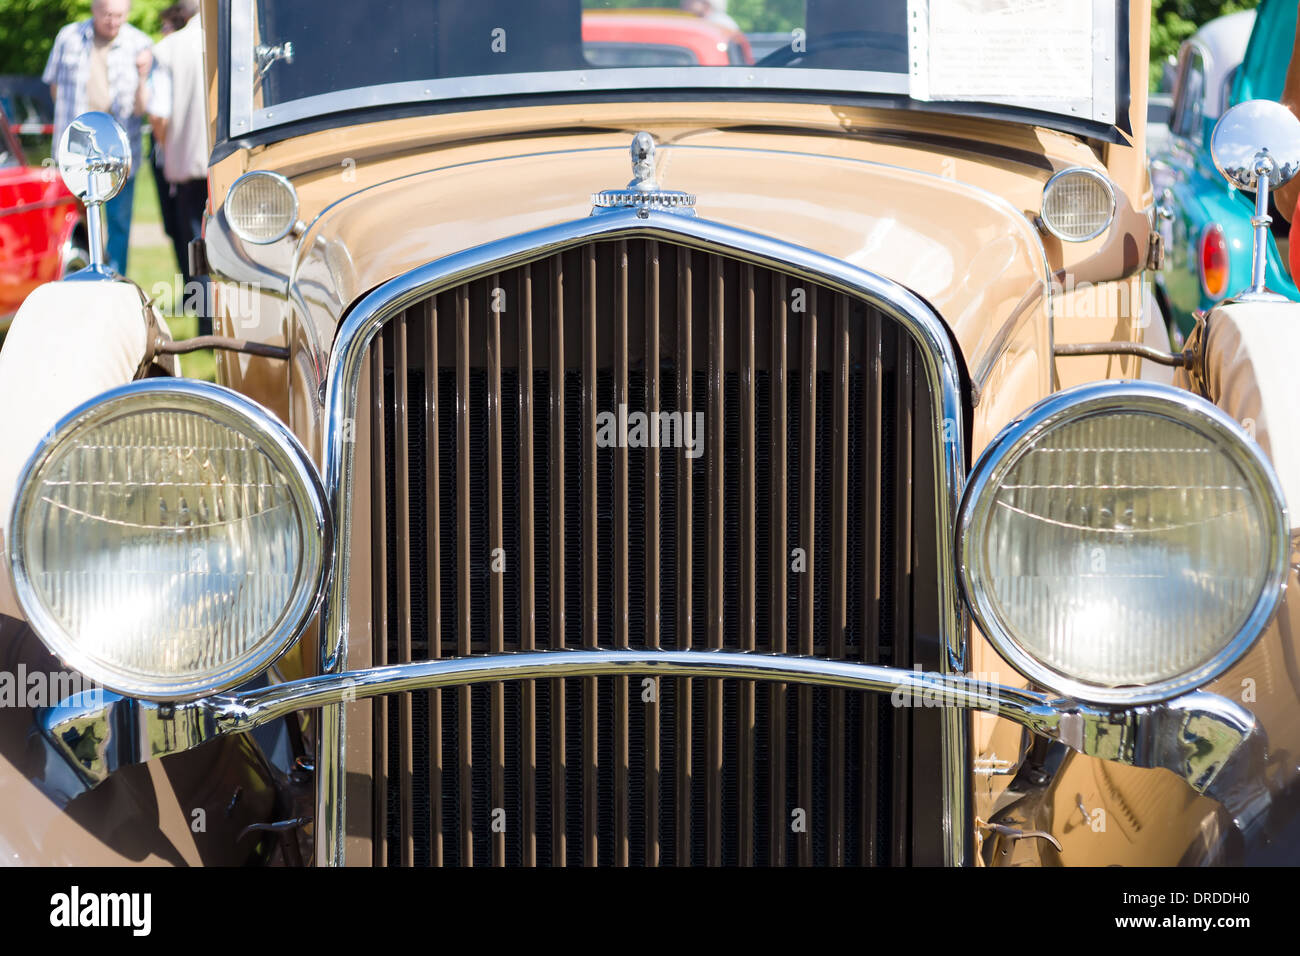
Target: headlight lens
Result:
[1078, 204]
[261, 207]
[168, 541]
[1123, 543]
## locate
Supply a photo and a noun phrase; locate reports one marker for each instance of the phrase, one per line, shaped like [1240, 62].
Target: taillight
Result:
[1214, 261]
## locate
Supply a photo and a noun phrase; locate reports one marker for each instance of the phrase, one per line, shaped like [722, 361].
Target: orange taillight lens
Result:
[1214, 261]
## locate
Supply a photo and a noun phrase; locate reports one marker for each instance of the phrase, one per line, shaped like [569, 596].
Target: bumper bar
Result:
[1212, 743]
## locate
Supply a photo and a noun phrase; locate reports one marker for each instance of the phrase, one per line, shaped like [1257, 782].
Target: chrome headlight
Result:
[261, 207]
[1078, 204]
[1123, 543]
[168, 539]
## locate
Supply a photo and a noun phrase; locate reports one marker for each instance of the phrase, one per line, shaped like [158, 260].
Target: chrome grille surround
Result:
[939, 366]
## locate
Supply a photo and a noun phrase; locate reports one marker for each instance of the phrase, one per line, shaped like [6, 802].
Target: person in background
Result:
[160, 105]
[714, 10]
[185, 144]
[104, 64]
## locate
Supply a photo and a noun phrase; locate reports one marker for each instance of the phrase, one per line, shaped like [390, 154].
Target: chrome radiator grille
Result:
[500, 522]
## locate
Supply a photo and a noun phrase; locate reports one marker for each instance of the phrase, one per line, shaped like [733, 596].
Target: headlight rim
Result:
[1089, 400]
[1091, 174]
[283, 181]
[272, 436]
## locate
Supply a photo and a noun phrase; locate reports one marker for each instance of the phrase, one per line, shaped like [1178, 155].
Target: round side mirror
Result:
[1253, 137]
[94, 157]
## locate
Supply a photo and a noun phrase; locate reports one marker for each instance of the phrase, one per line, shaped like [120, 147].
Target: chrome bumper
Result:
[1212, 743]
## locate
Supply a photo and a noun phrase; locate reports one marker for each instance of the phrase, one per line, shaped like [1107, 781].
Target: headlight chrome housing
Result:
[1123, 543]
[1078, 204]
[168, 540]
[261, 207]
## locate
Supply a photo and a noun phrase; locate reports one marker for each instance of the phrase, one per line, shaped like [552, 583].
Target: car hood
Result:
[972, 254]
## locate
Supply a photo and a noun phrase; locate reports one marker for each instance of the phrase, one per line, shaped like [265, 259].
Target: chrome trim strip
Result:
[1212, 743]
[280, 445]
[914, 315]
[1089, 400]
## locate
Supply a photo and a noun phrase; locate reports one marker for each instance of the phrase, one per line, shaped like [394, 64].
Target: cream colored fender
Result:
[69, 342]
[1251, 369]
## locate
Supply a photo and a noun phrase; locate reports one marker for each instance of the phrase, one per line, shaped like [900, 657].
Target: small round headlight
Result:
[168, 540]
[1123, 543]
[1078, 204]
[261, 207]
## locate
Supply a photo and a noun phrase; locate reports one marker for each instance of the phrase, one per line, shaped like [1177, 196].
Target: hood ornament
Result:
[643, 192]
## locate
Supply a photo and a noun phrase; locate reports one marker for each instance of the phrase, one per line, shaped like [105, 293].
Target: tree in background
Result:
[27, 28]
[1173, 21]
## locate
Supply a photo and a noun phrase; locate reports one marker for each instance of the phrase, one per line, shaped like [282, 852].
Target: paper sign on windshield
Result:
[1056, 55]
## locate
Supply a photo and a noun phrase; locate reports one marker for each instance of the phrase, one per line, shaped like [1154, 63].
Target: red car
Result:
[42, 227]
[660, 38]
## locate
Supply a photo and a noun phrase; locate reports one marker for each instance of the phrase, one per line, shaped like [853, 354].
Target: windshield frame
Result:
[239, 121]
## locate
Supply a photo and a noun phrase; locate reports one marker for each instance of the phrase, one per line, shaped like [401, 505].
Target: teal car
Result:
[1204, 222]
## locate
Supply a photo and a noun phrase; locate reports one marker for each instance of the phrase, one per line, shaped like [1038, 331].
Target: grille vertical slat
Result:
[778, 626]
[433, 510]
[807, 455]
[839, 568]
[807, 532]
[622, 399]
[590, 565]
[497, 559]
[654, 483]
[402, 486]
[464, 723]
[901, 624]
[685, 567]
[716, 557]
[870, 544]
[379, 577]
[748, 563]
[559, 623]
[527, 563]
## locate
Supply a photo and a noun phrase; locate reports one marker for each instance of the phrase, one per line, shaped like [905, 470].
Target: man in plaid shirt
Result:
[103, 64]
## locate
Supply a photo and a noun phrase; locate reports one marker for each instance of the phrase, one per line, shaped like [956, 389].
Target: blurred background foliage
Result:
[27, 28]
[1173, 21]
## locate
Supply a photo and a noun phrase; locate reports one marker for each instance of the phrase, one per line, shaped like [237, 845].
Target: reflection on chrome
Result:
[1214, 744]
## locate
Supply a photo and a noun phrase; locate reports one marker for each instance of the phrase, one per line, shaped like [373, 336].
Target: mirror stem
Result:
[1261, 221]
[95, 236]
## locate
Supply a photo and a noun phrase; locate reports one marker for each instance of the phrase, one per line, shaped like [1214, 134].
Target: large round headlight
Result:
[168, 540]
[1123, 543]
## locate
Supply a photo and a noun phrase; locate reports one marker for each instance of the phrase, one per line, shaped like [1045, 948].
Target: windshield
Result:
[295, 59]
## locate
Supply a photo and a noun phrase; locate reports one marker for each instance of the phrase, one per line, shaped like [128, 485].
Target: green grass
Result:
[153, 268]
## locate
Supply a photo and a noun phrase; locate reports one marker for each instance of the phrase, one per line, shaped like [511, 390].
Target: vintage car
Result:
[612, 38]
[42, 227]
[1204, 221]
[766, 464]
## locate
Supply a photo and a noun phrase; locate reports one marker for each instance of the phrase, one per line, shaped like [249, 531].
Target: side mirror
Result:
[95, 160]
[1256, 146]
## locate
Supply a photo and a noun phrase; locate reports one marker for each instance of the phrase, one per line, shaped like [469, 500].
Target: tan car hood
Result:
[973, 255]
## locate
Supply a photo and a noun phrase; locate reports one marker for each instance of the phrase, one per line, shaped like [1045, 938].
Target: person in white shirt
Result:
[185, 141]
[715, 10]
